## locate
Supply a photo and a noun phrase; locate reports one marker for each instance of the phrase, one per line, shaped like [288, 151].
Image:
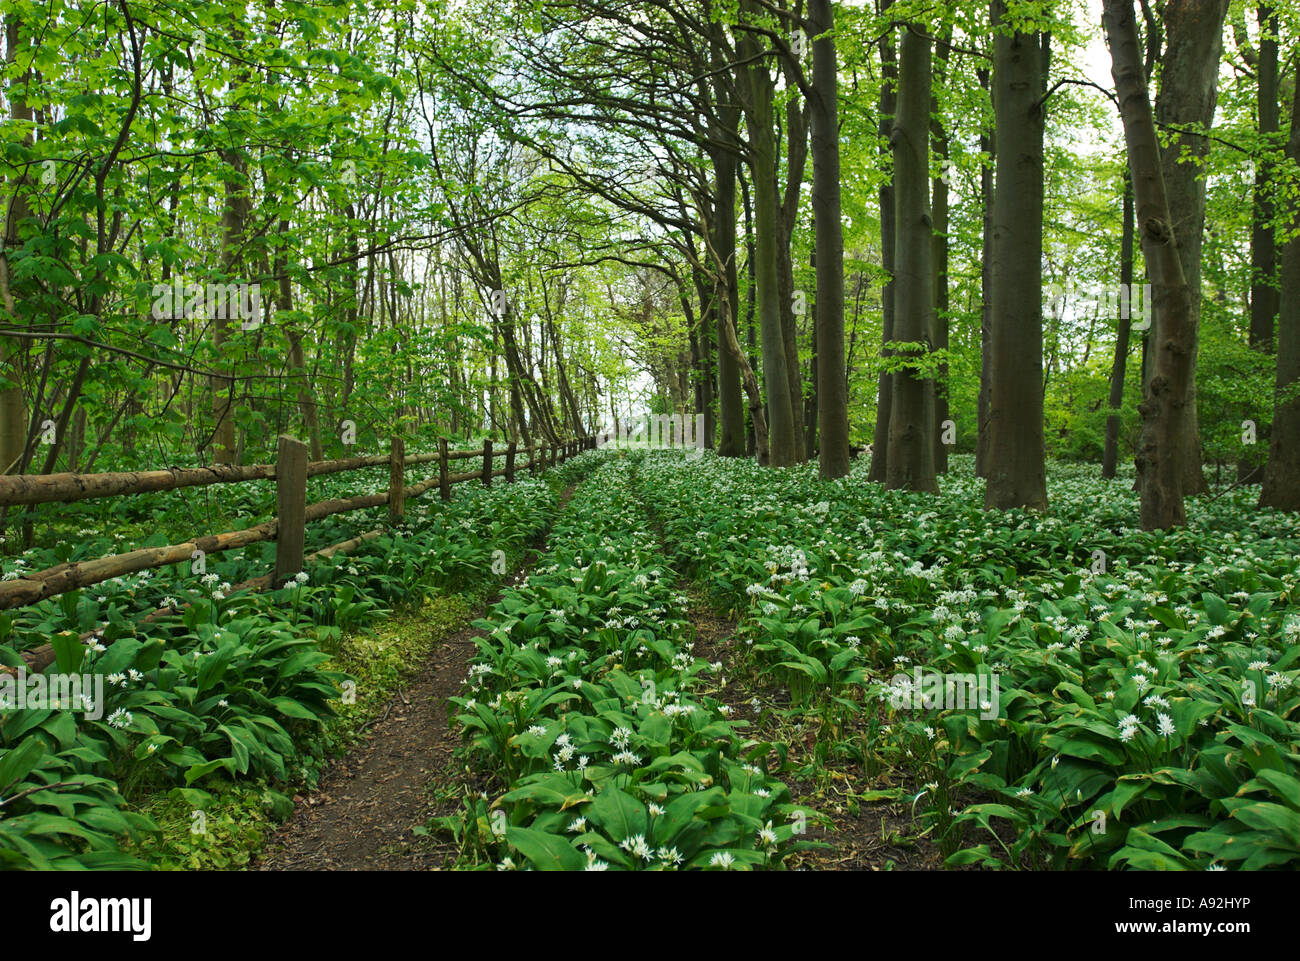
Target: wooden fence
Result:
[293, 513]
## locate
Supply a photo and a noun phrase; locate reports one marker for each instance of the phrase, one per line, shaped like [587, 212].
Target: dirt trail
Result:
[362, 815]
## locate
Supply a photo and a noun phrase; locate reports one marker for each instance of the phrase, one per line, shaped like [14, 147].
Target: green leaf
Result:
[618, 813]
[1266, 816]
[546, 852]
[68, 651]
[17, 763]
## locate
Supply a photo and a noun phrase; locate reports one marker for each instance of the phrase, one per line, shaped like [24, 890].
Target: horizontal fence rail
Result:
[18, 490]
[290, 474]
[292, 511]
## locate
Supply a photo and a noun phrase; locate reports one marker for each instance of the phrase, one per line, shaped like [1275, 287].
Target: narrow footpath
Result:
[372, 805]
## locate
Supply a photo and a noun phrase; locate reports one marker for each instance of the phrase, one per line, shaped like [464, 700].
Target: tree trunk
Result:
[1264, 293]
[1186, 98]
[731, 411]
[13, 406]
[1159, 458]
[796, 155]
[1263, 244]
[752, 447]
[1281, 487]
[750, 382]
[832, 387]
[1119, 366]
[910, 461]
[767, 233]
[1017, 475]
[939, 206]
[987, 148]
[885, 384]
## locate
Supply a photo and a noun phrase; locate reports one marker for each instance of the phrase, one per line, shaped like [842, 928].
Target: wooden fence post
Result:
[444, 488]
[290, 508]
[487, 462]
[396, 479]
[510, 463]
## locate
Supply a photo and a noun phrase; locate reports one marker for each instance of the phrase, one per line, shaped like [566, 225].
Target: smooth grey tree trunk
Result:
[1159, 457]
[832, 386]
[1017, 475]
[1281, 487]
[910, 461]
[1186, 100]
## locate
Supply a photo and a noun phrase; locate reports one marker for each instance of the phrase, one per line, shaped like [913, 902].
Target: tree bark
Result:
[1186, 99]
[767, 232]
[752, 393]
[796, 139]
[987, 148]
[731, 411]
[1119, 366]
[885, 383]
[832, 387]
[13, 406]
[910, 461]
[1017, 475]
[1263, 245]
[939, 206]
[1159, 458]
[1264, 292]
[1281, 488]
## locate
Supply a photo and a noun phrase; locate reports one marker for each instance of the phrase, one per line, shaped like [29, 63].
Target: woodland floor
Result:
[362, 815]
[365, 812]
[868, 840]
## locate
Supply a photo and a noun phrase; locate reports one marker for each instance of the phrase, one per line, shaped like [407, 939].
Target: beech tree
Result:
[910, 459]
[1159, 461]
[1185, 107]
[1015, 467]
[832, 387]
[1281, 486]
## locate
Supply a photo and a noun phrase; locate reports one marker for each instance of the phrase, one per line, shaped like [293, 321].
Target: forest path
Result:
[362, 815]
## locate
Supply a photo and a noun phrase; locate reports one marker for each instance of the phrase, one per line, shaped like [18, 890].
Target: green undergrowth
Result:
[222, 709]
[586, 708]
[1063, 689]
[237, 819]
